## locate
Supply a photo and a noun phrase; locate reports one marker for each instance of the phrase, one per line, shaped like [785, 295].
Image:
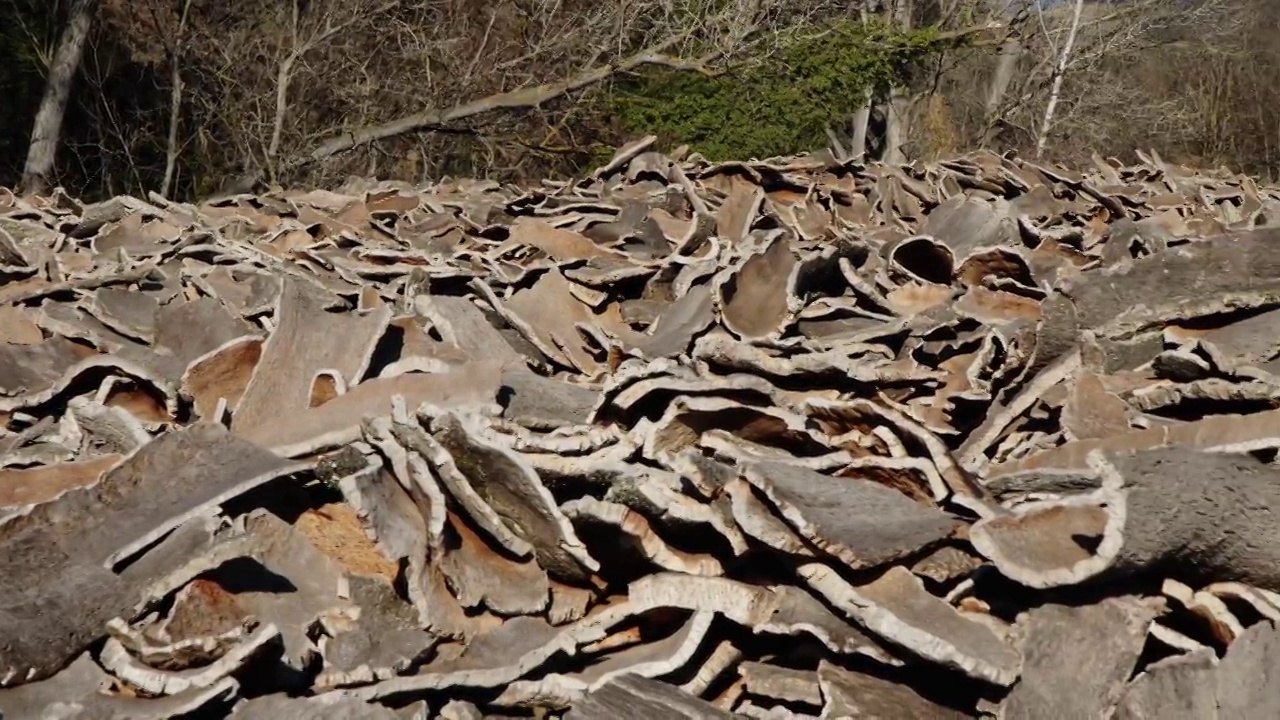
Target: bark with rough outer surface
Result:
[47, 130]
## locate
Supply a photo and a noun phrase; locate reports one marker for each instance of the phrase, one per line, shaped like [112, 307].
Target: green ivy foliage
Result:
[779, 105]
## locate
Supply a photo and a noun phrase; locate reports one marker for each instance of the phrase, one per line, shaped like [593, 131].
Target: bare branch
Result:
[175, 103]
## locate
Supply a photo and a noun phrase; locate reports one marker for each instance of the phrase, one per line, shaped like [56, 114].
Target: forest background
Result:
[189, 98]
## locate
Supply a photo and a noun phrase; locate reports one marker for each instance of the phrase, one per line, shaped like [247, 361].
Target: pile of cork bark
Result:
[789, 438]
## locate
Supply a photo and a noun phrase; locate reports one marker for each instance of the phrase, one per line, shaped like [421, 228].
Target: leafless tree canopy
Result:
[229, 94]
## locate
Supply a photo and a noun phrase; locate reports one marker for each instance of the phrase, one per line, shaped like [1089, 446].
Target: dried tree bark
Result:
[47, 130]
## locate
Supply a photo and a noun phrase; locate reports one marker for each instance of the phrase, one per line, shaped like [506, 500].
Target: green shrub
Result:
[780, 104]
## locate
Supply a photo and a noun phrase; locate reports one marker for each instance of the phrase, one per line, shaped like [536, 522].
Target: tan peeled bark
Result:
[47, 130]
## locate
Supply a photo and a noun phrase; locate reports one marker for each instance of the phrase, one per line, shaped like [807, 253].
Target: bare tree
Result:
[47, 129]
[1059, 71]
[172, 145]
[1027, 82]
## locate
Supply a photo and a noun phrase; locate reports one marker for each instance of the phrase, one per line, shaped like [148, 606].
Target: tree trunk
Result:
[895, 126]
[47, 131]
[175, 104]
[1059, 71]
[858, 129]
[1006, 63]
[895, 111]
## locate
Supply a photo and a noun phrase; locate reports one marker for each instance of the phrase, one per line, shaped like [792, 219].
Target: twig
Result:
[17, 295]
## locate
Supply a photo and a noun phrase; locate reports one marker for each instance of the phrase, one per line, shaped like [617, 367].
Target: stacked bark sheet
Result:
[681, 439]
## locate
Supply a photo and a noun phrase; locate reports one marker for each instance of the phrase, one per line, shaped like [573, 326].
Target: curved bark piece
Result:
[1262, 602]
[283, 707]
[753, 298]
[143, 372]
[515, 648]
[193, 328]
[1180, 686]
[464, 326]
[743, 603]
[569, 440]
[1162, 508]
[481, 577]
[851, 694]
[116, 659]
[143, 643]
[306, 340]
[799, 612]
[337, 422]
[557, 243]
[77, 692]
[679, 323]
[899, 609]
[539, 403]
[221, 375]
[128, 312]
[712, 667]
[999, 267]
[688, 418]
[649, 659]
[382, 641]
[861, 523]
[663, 498]
[631, 697]
[759, 521]
[637, 531]
[1054, 542]
[515, 492]
[1207, 608]
[653, 391]
[412, 437]
[924, 259]
[1076, 660]
[32, 486]
[830, 368]
[782, 684]
[34, 368]
[1226, 272]
[963, 223]
[838, 414]
[548, 314]
[176, 477]
[411, 525]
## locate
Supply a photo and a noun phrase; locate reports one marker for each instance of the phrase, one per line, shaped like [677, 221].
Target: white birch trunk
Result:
[1059, 71]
